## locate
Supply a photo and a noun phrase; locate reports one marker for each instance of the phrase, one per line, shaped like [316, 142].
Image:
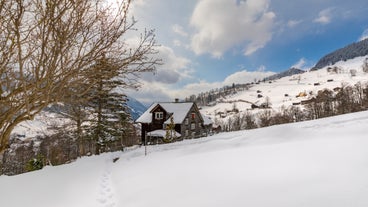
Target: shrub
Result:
[35, 163]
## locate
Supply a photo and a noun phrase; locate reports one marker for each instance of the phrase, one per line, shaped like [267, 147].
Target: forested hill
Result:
[290, 72]
[351, 51]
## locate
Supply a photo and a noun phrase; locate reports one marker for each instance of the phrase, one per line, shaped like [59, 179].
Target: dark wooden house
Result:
[189, 123]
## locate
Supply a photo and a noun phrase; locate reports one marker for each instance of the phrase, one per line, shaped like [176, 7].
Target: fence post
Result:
[145, 144]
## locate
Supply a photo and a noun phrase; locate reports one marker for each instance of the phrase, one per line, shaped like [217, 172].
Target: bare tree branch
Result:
[49, 46]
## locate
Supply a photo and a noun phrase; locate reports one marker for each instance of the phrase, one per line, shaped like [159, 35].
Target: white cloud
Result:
[303, 64]
[324, 16]
[300, 64]
[246, 77]
[177, 43]
[221, 24]
[195, 88]
[364, 35]
[151, 92]
[179, 30]
[173, 70]
[293, 23]
[139, 2]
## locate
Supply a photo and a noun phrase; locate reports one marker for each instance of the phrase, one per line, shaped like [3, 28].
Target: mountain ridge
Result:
[351, 51]
[289, 72]
[136, 108]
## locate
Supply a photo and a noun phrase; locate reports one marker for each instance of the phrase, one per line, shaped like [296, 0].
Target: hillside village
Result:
[297, 94]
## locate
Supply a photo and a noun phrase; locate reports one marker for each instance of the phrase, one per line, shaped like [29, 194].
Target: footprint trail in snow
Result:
[106, 191]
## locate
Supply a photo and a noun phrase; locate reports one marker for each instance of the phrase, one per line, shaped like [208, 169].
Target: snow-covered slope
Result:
[283, 92]
[316, 163]
[39, 126]
[47, 118]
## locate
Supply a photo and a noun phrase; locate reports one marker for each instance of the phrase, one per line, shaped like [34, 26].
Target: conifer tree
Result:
[107, 105]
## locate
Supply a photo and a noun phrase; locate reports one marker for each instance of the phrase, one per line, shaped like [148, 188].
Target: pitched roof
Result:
[179, 111]
[206, 120]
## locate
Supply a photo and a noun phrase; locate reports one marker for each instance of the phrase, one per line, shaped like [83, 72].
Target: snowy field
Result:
[318, 163]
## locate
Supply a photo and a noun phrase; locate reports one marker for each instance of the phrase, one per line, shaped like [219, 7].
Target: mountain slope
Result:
[136, 108]
[317, 163]
[349, 52]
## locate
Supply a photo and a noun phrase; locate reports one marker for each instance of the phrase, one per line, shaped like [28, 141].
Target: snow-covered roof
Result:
[206, 120]
[160, 133]
[179, 111]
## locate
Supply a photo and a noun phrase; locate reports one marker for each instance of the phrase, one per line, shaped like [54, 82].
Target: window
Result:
[159, 115]
[186, 133]
[193, 115]
[193, 126]
[186, 121]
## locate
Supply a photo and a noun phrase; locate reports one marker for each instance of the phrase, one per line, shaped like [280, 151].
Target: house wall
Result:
[155, 123]
[186, 130]
[159, 121]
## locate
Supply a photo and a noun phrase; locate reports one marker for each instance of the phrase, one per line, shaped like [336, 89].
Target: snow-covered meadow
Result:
[316, 163]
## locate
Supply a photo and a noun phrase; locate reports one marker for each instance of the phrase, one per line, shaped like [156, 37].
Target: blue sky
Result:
[207, 44]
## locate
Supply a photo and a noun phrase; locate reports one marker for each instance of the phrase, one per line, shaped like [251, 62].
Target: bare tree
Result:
[283, 116]
[49, 46]
[267, 102]
[265, 118]
[296, 113]
[248, 121]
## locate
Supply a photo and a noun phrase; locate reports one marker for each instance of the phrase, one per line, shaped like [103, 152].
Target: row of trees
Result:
[342, 100]
[56, 149]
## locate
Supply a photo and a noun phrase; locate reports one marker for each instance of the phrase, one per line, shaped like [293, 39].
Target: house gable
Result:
[159, 114]
[192, 125]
